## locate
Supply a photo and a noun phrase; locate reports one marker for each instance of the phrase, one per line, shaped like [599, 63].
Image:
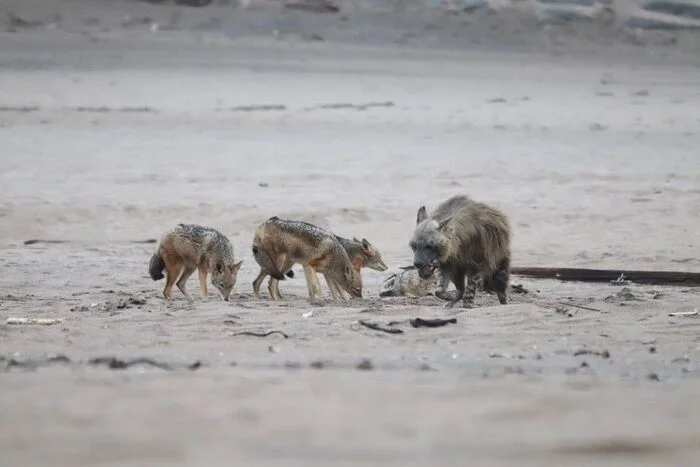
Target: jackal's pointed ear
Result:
[235, 266]
[366, 246]
[422, 215]
[445, 223]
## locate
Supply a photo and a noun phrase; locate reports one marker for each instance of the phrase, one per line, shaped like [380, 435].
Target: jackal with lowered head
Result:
[465, 239]
[188, 247]
[359, 251]
[278, 244]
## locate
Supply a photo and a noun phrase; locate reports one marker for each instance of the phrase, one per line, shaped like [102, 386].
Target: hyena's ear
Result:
[235, 267]
[445, 223]
[422, 215]
[219, 267]
[366, 246]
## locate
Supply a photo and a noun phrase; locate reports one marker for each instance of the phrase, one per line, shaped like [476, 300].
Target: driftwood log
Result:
[690, 279]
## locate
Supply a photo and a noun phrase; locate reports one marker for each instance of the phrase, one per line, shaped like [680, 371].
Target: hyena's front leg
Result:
[441, 291]
[458, 279]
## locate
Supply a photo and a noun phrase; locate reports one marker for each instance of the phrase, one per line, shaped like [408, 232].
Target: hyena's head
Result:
[429, 243]
[224, 277]
[371, 258]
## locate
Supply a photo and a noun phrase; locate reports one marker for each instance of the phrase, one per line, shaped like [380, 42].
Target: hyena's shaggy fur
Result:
[466, 240]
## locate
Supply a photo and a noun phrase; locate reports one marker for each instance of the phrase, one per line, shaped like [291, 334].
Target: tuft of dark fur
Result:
[264, 260]
[156, 267]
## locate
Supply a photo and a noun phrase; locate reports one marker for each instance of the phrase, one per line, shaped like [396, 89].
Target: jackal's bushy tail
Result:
[156, 266]
[263, 258]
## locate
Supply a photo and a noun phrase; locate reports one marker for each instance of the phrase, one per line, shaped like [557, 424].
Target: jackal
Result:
[359, 251]
[188, 247]
[279, 243]
[463, 237]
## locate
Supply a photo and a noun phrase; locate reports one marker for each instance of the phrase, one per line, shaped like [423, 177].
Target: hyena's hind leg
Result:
[182, 283]
[499, 281]
[470, 291]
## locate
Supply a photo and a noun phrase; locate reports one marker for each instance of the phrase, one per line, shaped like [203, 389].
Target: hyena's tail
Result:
[289, 274]
[156, 266]
[263, 258]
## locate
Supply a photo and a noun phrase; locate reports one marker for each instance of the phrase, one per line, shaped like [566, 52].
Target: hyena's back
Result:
[480, 237]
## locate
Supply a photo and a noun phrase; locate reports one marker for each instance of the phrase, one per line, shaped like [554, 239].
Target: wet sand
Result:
[111, 141]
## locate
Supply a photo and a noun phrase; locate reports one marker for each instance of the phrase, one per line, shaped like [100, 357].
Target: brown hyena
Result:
[466, 240]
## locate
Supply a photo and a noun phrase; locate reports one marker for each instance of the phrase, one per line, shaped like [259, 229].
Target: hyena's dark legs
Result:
[470, 292]
[499, 280]
[441, 291]
[458, 278]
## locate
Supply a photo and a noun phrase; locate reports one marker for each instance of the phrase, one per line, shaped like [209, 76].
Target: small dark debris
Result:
[603, 354]
[497, 100]
[230, 322]
[518, 288]
[680, 360]
[114, 363]
[259, 334]
[319, 364]
[653, 377]
[365, 364]
[597, 127]
[377, 327]
[254, 108]
[652, 349]
[431, 323]
[146, 241]
[426, 367]
[563, 311]
[263, 184]
[585, 365]
[34, 241]
[316, 6]
[293, 365]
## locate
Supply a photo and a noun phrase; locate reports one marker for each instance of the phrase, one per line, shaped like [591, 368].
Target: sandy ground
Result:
[111, 138]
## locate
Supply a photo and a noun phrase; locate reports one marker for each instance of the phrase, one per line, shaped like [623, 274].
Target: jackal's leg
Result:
[203, 281]
[258, 282]
[312, 282]
[182, 282]
[173, 274]
[331, 287]
[276, 288]
[342, 294]
[273, 286]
